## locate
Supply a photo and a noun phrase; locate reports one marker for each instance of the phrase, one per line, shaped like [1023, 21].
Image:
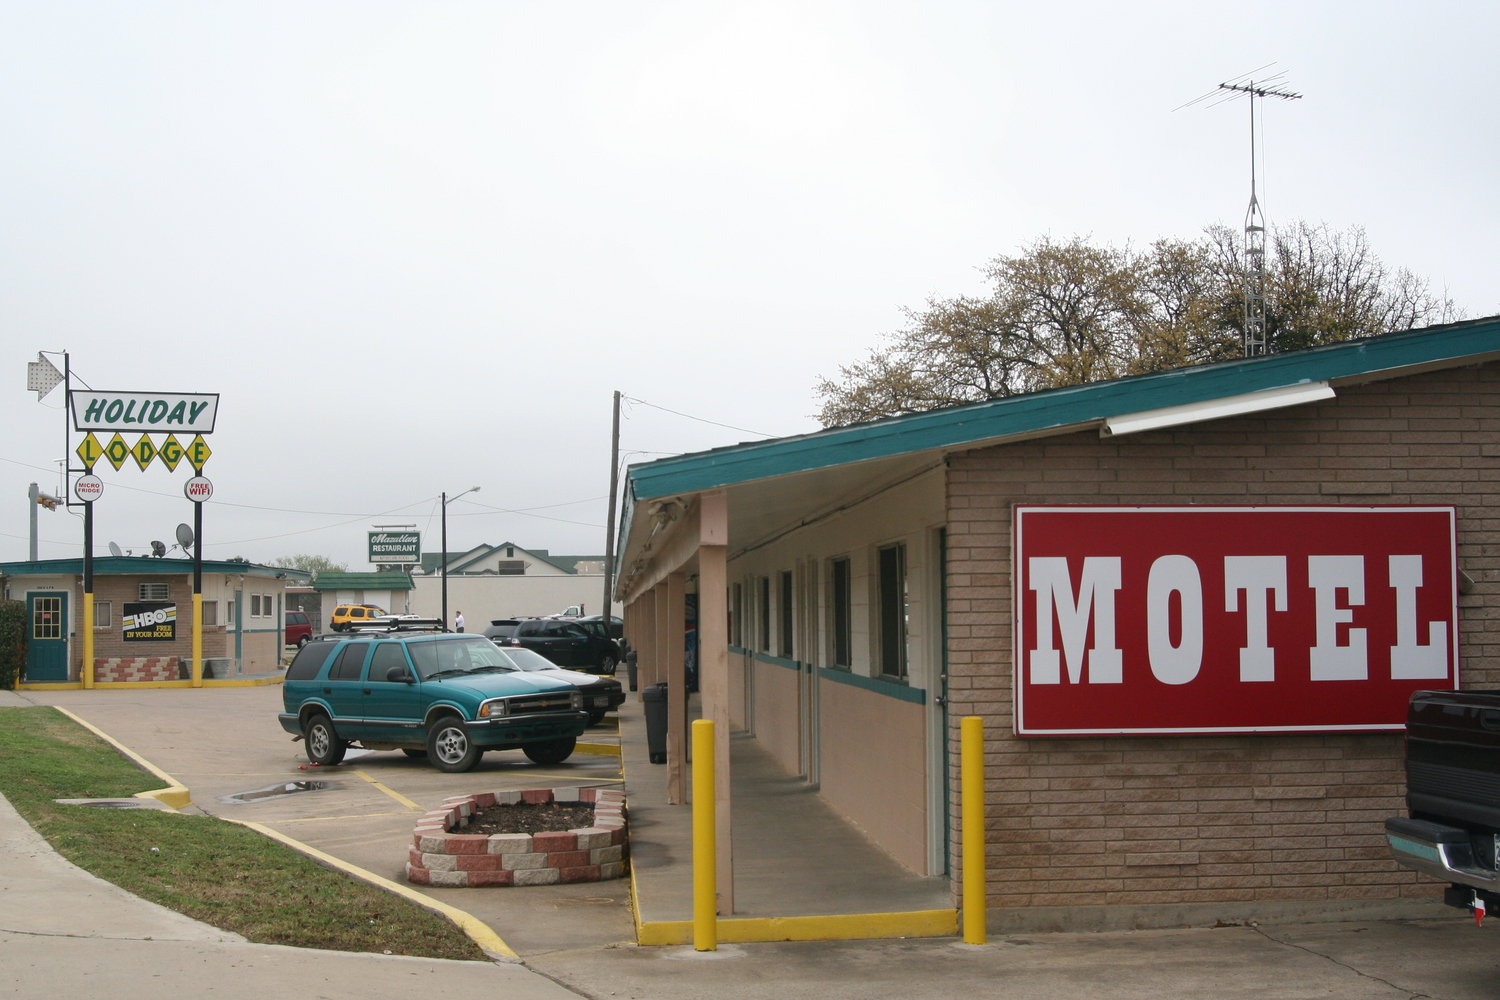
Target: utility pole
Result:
[609, 523]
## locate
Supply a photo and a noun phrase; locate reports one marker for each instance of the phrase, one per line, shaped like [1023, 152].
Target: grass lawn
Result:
[216, 872]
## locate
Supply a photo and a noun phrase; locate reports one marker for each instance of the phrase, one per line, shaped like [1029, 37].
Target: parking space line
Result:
[393, 794]
[318, 819]
[569, 777]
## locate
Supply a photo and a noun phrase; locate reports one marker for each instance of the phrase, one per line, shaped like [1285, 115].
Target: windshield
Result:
[452, 657]
[525, 659]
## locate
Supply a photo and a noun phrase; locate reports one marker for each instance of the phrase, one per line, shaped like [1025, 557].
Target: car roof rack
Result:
[399, 623]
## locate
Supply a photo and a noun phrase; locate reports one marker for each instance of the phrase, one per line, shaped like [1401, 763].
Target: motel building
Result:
[143, 618]
[1189, 607]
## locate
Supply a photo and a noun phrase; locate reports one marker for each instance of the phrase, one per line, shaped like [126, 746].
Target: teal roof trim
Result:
[1035, 412]
[147, 566]
[362, 581]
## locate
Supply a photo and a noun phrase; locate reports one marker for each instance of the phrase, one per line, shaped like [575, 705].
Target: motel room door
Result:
[47, 646]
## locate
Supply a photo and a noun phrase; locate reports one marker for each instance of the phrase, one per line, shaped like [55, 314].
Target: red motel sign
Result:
[1157, 620]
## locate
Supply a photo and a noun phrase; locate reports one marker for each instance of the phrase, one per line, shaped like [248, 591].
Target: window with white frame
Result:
[210, 612]
[103, 614]
[843, 630]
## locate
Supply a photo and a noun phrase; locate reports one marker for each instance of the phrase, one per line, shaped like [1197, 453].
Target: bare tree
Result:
[1065, 313]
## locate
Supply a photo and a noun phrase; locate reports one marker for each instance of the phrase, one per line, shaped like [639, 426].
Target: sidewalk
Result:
[794, 856]
[64, 932]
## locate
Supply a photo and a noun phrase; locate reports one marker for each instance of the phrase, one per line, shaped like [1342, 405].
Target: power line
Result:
[701, 420]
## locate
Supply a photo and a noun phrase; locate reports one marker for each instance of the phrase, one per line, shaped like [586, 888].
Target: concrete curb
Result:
[477, 930]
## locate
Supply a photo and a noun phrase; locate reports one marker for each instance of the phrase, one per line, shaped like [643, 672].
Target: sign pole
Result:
[88, 594]
[198, 594]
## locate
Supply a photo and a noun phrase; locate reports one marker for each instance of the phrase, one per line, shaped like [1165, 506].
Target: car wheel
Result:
[414, 752]
[550, 751]
[322, 741]
[596, 717]
[607, 665]
[303, 641]
[449, 746]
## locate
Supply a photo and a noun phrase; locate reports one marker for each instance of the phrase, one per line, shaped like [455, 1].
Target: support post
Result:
[645, 620]
[197, 680]
[88, 594]
[705, 890]
[971, 778]
[672, 647]
[713, 675]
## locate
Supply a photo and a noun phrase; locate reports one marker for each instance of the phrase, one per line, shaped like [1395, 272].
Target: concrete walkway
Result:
[64, 932]
[794, 856]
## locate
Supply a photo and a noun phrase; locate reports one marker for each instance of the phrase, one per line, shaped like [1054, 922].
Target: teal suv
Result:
[445, 697]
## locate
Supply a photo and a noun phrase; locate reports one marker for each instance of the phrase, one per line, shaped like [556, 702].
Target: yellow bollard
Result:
[88, 641]
[971, 777]
[705, 879]
[197, 674]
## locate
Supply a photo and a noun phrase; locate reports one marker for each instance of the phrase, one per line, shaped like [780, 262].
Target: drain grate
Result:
[277, 790]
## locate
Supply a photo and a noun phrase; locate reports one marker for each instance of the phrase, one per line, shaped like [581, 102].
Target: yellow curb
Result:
[175, 795]
[478, 931]
[393, 794]
[603, 749]
[228, 682]
[833, 927]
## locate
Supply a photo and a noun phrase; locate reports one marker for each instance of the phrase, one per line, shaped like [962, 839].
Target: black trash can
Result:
[630, 669]
[656, 722]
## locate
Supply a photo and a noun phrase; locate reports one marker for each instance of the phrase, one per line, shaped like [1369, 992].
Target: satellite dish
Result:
[158, 549]
[184, 536]
[114, 550]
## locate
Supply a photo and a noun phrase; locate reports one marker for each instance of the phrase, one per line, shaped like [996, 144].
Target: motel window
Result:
[893, 610]
[784, 647]
[842, 613]
[152, 592]
[210, 612]
[765, 613]
[103, 614]
[810, 602]
[229, 607]
[254, 605]
[267, 606]
[737, 617]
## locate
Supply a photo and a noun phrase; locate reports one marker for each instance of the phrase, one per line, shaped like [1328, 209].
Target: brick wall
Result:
[110, 642]
[1214, 819]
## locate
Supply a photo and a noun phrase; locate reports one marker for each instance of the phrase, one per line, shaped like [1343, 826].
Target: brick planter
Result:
[118, 669]
[440, 856]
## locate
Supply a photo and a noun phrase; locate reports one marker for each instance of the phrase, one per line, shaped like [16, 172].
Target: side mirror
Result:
[398, 675]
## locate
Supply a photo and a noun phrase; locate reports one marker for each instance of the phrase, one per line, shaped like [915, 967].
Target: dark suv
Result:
[566, 643]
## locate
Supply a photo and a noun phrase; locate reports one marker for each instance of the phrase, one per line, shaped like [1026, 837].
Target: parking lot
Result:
[225, 741]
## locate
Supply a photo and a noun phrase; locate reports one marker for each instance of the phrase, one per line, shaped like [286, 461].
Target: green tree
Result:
[310, 564]
[12, 642]
[1065, 313]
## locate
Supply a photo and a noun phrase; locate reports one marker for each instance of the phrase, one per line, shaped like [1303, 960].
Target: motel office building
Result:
[243, 620]
[1189, 607]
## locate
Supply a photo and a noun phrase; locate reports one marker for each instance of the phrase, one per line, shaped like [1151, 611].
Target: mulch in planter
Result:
[524, 817]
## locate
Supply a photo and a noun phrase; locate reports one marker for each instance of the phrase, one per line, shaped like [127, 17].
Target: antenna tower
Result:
[1255, 220]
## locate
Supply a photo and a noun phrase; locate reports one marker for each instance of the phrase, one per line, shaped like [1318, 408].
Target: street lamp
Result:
[446, 501]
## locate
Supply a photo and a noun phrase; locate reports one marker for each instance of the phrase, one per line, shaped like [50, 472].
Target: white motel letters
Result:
[1337, 584]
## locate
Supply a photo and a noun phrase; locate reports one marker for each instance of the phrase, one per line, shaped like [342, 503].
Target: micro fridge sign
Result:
[1230, 619]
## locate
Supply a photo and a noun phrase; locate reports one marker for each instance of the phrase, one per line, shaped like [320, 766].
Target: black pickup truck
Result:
[1453, 794]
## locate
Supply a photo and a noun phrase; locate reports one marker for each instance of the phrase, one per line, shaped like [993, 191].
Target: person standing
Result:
[458, 621]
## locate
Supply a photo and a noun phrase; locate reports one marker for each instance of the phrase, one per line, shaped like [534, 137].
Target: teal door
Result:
[47, 645]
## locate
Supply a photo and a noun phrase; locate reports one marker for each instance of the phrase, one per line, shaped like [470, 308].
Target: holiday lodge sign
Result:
[1158, 620]
[145, 411]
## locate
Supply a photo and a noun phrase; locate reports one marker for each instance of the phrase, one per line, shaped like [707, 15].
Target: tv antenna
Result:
[1255, 220]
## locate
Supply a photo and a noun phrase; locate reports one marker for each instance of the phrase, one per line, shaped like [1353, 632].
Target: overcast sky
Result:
[416, 245]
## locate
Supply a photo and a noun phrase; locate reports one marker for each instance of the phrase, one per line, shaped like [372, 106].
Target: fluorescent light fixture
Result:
[1216, 409]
